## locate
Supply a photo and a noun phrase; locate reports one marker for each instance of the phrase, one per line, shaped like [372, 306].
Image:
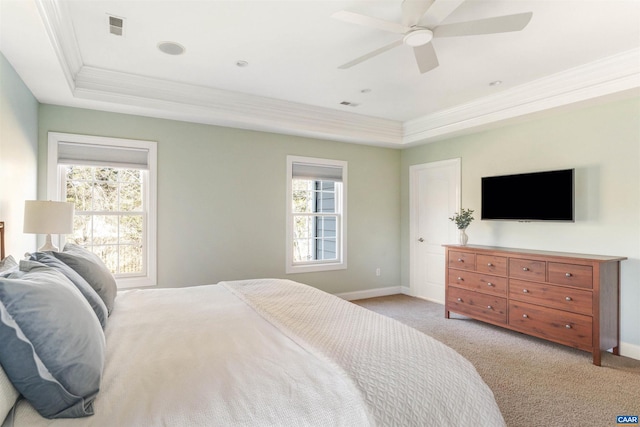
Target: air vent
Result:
[116, 25]
[349, 104]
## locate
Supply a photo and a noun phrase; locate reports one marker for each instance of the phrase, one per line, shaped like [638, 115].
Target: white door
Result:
[434, 196]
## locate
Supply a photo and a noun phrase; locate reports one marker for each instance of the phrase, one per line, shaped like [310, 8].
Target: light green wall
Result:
[602, 143]
[221, 191]
[18, 156]
[221, 199]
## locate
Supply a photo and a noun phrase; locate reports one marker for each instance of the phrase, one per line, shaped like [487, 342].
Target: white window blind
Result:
[316, 172]
[71, 153]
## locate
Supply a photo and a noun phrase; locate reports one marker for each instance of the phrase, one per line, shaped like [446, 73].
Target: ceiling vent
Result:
[116, 25]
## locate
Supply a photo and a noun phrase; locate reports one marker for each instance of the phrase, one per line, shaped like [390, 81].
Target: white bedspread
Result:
[406, 377]
[273, 353]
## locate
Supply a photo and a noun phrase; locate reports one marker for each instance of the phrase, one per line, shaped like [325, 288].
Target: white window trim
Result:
[54, 192]
[314, 266]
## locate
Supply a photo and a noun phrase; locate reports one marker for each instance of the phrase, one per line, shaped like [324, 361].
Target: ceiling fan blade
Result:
[498, 24]
[414, 10]
[370, 55]
[426, 57]
[368, 21]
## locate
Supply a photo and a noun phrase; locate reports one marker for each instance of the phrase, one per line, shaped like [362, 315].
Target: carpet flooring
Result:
[535, 382]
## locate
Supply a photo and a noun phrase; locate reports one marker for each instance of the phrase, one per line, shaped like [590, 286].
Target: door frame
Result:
[413, 207]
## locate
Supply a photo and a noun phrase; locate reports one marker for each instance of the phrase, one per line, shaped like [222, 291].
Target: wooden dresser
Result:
[571, 299]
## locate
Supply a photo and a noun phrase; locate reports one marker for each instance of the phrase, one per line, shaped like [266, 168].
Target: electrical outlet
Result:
[378, 271]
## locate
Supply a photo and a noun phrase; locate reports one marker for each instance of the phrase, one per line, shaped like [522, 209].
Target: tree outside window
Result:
[109, 215]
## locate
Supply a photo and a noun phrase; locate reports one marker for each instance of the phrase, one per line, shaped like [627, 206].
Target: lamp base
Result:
[48, 246]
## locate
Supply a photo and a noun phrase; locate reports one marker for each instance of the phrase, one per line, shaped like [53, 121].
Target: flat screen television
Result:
[537, 196]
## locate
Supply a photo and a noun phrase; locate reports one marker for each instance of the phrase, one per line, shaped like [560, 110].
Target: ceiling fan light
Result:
[418, 37]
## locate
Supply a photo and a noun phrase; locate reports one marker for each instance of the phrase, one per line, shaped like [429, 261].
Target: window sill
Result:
[312, 268]
[134, 282]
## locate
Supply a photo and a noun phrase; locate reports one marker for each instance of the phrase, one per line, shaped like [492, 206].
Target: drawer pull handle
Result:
[525, 269]
[459, 299]
[460, 278]
[567, 298]
[525, 316]
[489, 307]
[489, 284]
[526, 291]
[460, 260]
[568, 274]
[567, 326]
[489, 264]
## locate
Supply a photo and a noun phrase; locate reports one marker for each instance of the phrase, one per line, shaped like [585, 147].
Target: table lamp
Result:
[47, 217]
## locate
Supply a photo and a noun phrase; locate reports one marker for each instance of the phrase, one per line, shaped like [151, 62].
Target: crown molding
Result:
[55, 17]
[607, 76]
[169, 99]
[233, 108]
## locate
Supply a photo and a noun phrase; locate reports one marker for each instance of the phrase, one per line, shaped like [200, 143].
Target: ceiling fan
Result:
[419, 37]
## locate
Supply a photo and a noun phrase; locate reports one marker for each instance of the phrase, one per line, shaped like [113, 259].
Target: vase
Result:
[462, 236]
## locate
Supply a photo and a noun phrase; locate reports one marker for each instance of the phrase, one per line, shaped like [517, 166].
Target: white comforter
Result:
[273, 353]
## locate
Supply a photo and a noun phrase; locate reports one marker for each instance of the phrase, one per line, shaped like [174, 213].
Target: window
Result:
[316, 214]
[112, 183]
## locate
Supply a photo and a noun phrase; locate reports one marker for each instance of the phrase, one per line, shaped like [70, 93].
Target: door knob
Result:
[421, 240]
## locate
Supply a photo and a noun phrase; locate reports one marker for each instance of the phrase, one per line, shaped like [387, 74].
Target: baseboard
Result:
[370, 293]
[407, 291]
[630, 350]
[379, 292]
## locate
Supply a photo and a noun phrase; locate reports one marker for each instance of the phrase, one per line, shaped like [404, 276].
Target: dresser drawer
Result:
[478, 282]
[480, 306]
[491, 264]
[560, 326]
[571, 274]
[574, 300]
[462, 260]
[527, 269]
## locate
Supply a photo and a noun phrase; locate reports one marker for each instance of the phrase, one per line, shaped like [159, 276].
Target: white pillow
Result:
[8, 395]
[8, 266]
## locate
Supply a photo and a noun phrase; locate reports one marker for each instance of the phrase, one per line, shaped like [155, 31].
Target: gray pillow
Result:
[87, 291]
[92, 269]
[52, 344]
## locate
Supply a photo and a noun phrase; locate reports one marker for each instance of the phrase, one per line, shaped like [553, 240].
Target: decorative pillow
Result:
[8, 266]
[52, 344]
[87, 291]
[92, 269]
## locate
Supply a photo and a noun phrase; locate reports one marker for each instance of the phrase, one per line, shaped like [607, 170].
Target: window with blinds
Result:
[112, 185]
[316, 212]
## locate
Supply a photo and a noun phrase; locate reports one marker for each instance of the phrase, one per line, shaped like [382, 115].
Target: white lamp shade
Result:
[46, 217]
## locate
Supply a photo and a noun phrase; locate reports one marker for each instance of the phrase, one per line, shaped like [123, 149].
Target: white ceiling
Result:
[570, 52]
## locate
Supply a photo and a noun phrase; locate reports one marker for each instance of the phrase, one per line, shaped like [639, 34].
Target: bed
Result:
[263, 352]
